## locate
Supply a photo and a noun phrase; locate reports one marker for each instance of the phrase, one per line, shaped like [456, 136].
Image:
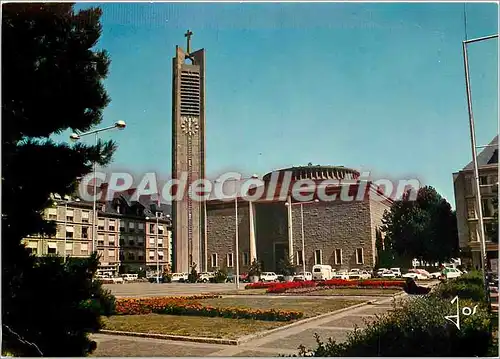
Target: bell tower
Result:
[188, 154]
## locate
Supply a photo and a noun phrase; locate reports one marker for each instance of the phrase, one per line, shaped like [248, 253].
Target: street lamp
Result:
[302, 230]
[77, 136]
[474, 147]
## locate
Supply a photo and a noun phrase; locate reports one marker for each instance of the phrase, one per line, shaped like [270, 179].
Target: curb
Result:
[300, 322]
[171, 337]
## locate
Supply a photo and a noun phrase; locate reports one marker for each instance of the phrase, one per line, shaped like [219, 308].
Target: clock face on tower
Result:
[189, 125]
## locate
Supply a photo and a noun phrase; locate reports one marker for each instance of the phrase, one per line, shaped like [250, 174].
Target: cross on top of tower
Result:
[188, 35]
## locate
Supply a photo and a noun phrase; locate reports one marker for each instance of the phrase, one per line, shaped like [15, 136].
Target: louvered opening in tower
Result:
[190, 93]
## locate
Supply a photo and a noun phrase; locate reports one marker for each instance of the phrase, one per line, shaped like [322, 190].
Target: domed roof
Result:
[316, 172]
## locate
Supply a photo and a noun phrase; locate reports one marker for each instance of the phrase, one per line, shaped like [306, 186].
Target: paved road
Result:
[168, 289]
[283, 342]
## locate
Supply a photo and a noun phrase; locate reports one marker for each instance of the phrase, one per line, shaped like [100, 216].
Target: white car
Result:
[396, 271]
[341, 275]
[268, 277]
[450, 273]
[179, 277]
[117, 280]
[380, 271]
[303, 276]
[415, 276]
[130, 277]
[388, 274]
[205, 277]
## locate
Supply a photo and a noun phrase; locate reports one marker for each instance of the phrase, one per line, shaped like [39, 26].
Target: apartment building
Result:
[128, 233]
[465, 202]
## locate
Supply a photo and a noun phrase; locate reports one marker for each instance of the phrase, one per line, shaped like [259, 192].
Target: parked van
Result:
[322, 272]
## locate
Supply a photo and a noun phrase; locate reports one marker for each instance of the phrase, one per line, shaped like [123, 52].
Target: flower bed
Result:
[333, 283]
[260, 285]
[190, 306]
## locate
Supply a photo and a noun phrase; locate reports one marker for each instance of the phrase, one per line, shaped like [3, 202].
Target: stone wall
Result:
[221, 225]
[334, 225]
[327, 226]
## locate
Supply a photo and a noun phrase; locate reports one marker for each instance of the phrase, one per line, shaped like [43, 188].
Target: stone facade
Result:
[328, 226]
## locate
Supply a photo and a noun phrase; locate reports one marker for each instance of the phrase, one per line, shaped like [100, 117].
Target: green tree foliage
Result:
[425, 228]
[51, 81]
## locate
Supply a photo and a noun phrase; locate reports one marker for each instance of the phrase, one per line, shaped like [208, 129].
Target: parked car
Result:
[268, 277]
[416, 274]
[322, 272]
[155, 279]
[362, 274]
[179, 277]
[396, 271]
[388, 274]
[436, 275]
[380, 271]
[130, 277]
[303, 276]
[205, 277]
[450, 273]
[343, 274]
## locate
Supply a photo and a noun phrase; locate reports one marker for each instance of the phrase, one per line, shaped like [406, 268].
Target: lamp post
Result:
[236, 243]
[302, 230]
[474, 147]
[75, 137]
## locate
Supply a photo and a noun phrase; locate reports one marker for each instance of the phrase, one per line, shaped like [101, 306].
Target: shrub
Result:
[418, 328]
[468, 286]
[220, 276]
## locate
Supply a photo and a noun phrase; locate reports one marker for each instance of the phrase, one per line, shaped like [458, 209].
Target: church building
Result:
[338, 233]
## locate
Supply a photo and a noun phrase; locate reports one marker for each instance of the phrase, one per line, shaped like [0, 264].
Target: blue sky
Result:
[377, 87]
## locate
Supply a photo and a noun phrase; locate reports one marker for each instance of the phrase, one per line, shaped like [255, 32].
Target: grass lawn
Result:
[188, 326]
[310, 307]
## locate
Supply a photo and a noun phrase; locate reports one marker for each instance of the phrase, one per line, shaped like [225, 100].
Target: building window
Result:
[130, 256]
[213, 262]
[69, 231]
[338, 256]
[100, 224]
[131, 241]
[300, 260]
[246, 258]
[122, 225]
[111, 253]
[160, 255]
[140, 241]
[84, 247]
[140, 256]
[160, 242]
[472, 233]
[52, 212]
[111, 225]
[486, 207]
[230, 260]
[140, 226]
[69, 248]
[85, 232]
[471, 210]
[111, 240]
[151, 255]
[318, 257]
[151, 228]
[52, 248]
[69, 215]
[152, 241]
[483, 180]
[160, 229]
[359, 256]
[85, 217]
[131, 226]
